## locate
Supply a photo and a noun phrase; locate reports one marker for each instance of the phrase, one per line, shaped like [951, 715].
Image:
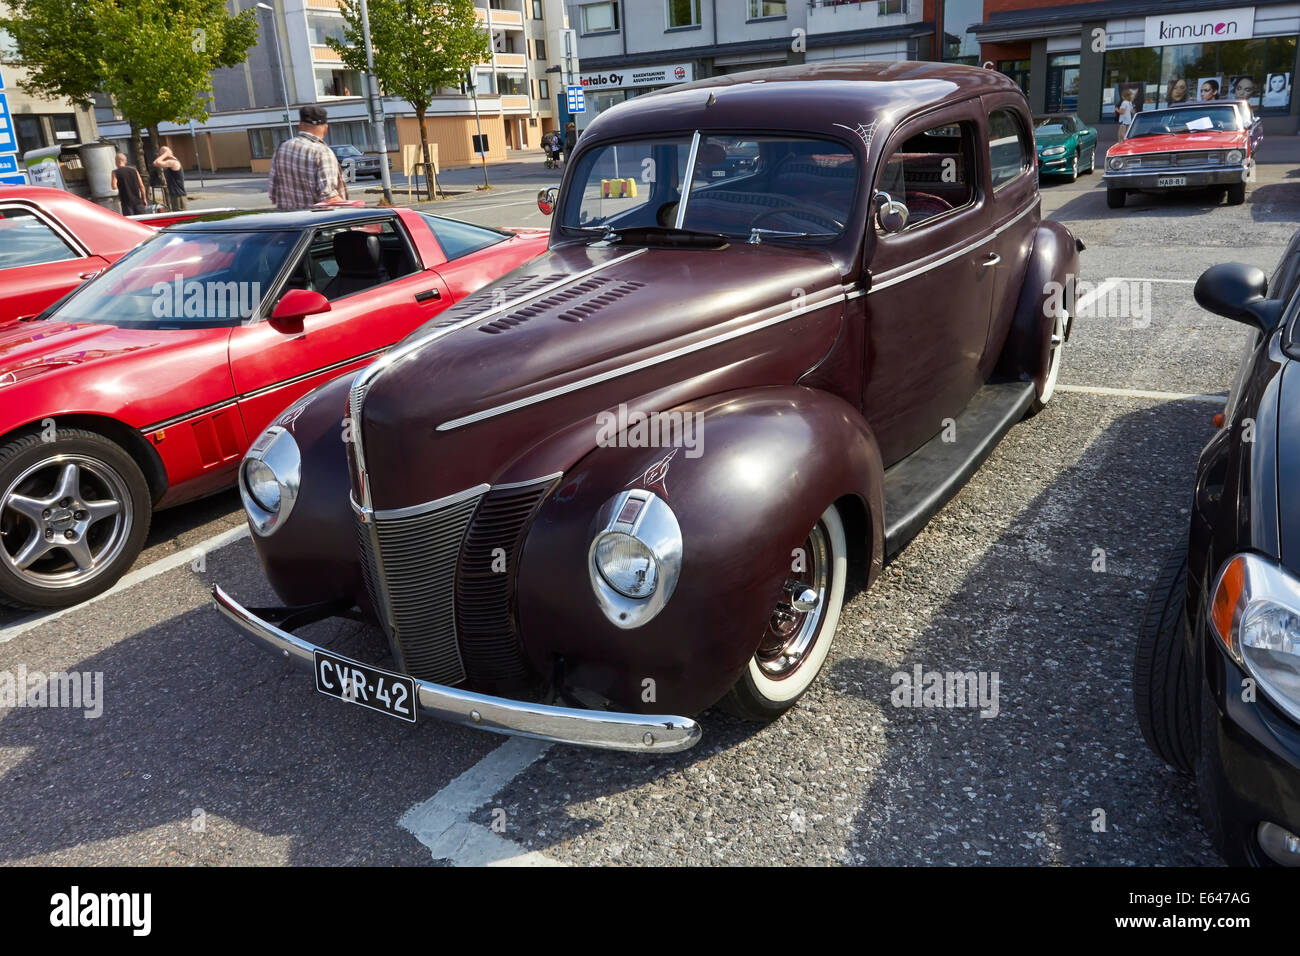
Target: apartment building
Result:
[254, 105]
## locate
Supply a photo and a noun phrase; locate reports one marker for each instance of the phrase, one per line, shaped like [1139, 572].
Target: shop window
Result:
[1018, 70]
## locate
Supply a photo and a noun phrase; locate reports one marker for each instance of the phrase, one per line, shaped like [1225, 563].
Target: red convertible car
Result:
[144, 387]
[1200, 145]
[52, 241]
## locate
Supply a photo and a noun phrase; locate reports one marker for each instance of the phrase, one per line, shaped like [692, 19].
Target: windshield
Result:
[184, 280]
[1191, 120]
[1050, 127]
[787, 187]
[345, 152]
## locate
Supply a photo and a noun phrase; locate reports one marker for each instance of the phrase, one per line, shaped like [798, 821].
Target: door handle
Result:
[428, 294]
[992, 259]
[90, 275]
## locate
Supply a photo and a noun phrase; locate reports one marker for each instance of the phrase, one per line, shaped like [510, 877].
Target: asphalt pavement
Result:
[209, 751]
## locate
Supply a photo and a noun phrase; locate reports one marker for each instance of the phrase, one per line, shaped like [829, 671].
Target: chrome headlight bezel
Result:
[1234, 157]
[1116, 162]
[277, 450]
[1249, 588]
[642, 515]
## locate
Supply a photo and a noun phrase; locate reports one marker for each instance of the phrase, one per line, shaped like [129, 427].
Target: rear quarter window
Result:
[459, 239]
[1010, 149]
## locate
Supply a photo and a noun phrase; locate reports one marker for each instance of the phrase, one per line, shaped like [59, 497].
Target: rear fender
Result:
[1049, 283]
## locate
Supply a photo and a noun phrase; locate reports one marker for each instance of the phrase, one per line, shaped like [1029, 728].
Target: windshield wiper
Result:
[667, 236]
[758, 232]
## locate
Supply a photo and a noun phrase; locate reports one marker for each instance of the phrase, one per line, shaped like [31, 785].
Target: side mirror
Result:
[294, 306]
[546, 199]
[890, 213]
[1236, 291]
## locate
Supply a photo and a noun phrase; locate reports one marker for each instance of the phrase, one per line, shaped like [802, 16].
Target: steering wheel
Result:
[835, 224]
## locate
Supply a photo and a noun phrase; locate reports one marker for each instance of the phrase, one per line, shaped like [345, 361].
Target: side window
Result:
[344, 260]
[27, 241]
[1010, 152]
[932, 172]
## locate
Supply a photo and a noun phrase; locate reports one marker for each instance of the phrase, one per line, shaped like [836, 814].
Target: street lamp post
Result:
[376, 107]
[279, 60]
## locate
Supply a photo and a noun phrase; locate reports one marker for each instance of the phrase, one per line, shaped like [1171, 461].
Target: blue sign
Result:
[9, 164]
[8, 143]
[577, 101]
[19, 180]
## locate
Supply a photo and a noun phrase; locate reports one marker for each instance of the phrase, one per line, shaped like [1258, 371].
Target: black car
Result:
[1217, 672]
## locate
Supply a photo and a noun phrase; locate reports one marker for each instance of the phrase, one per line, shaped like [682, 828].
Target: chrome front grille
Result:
[410, 559]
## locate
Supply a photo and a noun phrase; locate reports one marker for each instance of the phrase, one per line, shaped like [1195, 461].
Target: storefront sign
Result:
[1209, 27]
[639, 76]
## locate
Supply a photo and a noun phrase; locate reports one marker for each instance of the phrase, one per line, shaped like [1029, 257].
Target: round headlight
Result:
[1234, 156]
[627, 564]
[269, 479]
[262, 485]
[1116, 163]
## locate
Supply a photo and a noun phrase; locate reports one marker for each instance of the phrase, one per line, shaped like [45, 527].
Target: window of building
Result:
[31, 134]
[540, 46]
[537, 9]
[358, 133]
[1018, 70]
[321, 28]
[599, 17]
[510, 85]
[887, 7]
[960, 45]
[1145, 78]
[764, 9]
[1010, 152]
[683, 13]
[485, 84]
[338, 83]
[262, 142]
[65, 127]
[544, 89]
[932, 172]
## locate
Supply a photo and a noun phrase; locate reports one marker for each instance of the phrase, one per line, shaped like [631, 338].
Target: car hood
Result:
[1210, 139]
[582, 329]
[30, 350]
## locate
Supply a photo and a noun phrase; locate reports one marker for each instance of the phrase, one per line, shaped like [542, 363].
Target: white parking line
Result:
[1142, 393]
[161, 566]
[442, 822]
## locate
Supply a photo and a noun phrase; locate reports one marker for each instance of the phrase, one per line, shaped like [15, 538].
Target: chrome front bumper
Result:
[585, 728]
[1195, 176]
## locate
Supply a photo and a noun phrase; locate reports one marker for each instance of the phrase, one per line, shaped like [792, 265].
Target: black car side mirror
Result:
[1236, 291]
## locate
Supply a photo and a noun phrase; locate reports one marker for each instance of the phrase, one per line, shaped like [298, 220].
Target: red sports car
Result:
[52, 241]
[143, 388]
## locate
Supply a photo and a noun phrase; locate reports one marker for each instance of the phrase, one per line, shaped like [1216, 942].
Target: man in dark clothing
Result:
[570, 139]
[130, 187]
[174, 175]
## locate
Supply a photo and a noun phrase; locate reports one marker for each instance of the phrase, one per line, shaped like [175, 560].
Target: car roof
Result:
[827, 98]
[263, 221]
[1041, 116]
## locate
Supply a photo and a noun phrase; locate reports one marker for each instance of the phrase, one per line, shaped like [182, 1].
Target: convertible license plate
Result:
[1171, 180]
[347, 680]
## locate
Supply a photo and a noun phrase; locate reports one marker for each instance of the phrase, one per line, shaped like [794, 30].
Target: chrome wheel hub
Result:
[63, 520]
[796, 619]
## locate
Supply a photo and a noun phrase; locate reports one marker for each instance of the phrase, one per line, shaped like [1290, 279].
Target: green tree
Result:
[154, 58]
[419, 47]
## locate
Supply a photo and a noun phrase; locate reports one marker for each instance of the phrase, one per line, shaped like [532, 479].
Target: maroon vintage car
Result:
[783, 317]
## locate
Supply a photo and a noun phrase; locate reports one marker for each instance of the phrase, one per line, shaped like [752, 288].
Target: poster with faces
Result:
[1277, 90]
[1243, 87]
[1209, 88]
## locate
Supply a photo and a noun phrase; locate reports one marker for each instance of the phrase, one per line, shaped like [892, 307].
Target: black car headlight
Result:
[269, 479]
[1255, 612]
[636, 557]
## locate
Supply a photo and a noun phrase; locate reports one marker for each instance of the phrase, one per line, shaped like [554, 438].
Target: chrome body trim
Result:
[944, 260]
[784, 316]
[690, 174]
[585, 728]
[413, 511]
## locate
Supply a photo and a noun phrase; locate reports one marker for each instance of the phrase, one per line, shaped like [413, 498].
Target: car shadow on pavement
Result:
[1058, 773]
[1271, 202]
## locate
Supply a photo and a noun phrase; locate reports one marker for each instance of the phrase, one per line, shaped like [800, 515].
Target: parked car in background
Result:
[634, 478]
[52, 241]
[1067, 146]
[1200, 145]
[361, 164]
[143, 388]
[1217, 673]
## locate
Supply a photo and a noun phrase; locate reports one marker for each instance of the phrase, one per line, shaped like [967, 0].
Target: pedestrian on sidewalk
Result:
[174, 176]
[570, 139]
[130, 187]
[304, 170]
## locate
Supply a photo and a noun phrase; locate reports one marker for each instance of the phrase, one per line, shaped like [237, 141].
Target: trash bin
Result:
[98, 160]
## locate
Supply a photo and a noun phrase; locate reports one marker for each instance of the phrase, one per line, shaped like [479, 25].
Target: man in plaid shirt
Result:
[304, 171]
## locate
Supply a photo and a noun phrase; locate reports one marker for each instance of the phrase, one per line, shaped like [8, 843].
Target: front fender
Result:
[1050, 279]
[767, 463]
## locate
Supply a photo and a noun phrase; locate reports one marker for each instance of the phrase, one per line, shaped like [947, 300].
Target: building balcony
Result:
[322, 4]
[513, 103]
[501, 19]
[323, 54]
[841, 16]
[511, 61]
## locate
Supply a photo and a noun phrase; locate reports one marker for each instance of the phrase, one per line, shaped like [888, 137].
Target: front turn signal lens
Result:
[1226, 603]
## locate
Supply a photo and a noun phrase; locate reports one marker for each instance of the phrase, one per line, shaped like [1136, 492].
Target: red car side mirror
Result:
[294, 306]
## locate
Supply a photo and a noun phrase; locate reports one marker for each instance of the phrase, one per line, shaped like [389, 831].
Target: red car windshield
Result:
[1191, 120]
[184, 280]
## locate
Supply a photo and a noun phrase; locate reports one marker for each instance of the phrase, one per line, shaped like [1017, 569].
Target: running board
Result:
[923, 482]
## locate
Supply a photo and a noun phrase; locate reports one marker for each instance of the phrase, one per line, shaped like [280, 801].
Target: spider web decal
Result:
[864, 132]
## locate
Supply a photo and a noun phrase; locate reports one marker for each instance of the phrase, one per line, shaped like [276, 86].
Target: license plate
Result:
[347, 680]
[1171, 180]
